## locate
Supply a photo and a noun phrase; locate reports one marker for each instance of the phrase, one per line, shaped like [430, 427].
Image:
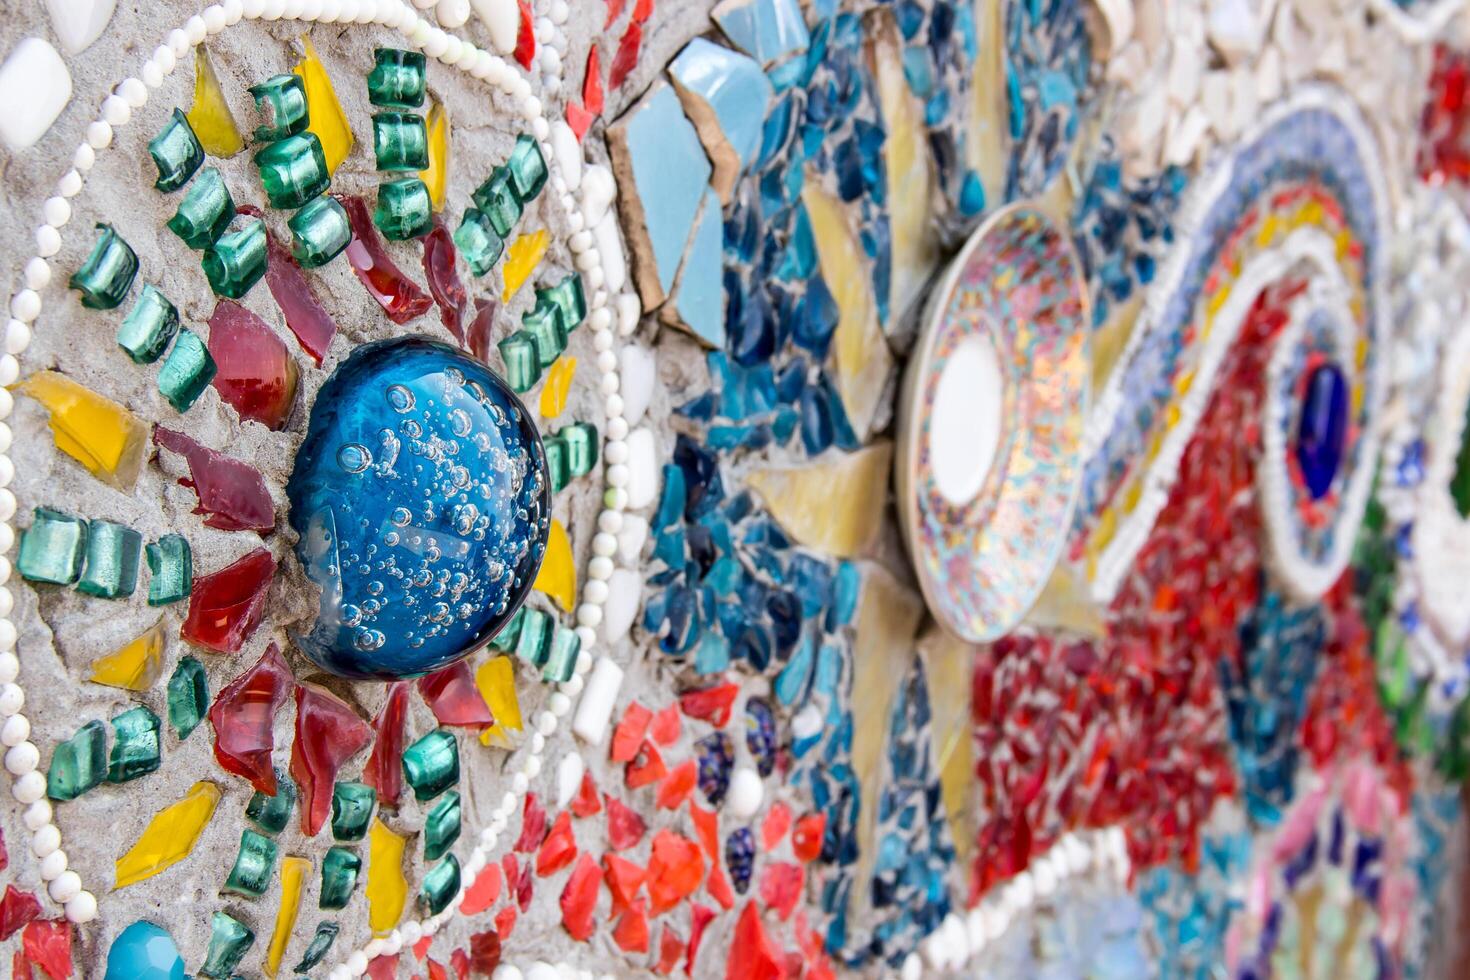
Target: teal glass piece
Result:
[237, 260]
[569, 298]
[229, 941]
[188, 697]
[272, 813]
[562, 661]
[352, 808]
[431, 765]
[340, 869]
[400, 141]
[321, 942]
[293, 170]
[79, 763]
[534, 644]
[440, 885]
[527, 168]
[497, 199]
[319, 232]
[282, 100]
[479, 243]
[404, 210]
[506, 639]
[136, 747]
[543, 324]
[442, 826]
[176, 151]
[558, 462]
[107, 275]
[149, 327]
[205, 212]
[581, 441]
[53, 549]
[171, 570]
[187, 371]
[254, 863]
[522, 366]
[397, 78]
[112, 560]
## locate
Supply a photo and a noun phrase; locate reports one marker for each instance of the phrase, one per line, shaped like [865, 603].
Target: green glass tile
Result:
[431, 765]
[112, 560]
[53, 549]
[543, 324]
[254, 863]
[404, 210]
[176, 151]
[558, 461]
[171, 570]
[397, 78]
[187, 371]
[188, 697]
[352, 808]
[79, 763]
[319, 232]
[478, 242]
[229, 941]
[136, 748]
[149, 327]
[569, 299]
[510, 632]
[565, 645]
[293, 170]
[442, 826]
[316, 950]
[400, 141]
[272, 813]
[527, 168]
[534, 643]
[581, 440]
[282, 100]
[107, 275]
[440, 886]
[1460, 479]
[237, 260]
[340, 869]
[497, 199]
[205, 212]
[522, 367]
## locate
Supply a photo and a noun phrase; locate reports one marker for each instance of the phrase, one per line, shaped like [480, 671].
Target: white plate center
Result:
[966, 424]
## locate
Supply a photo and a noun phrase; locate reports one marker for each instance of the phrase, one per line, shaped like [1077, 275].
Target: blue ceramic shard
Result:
[727, 97]
[767, 30]
[700, 299]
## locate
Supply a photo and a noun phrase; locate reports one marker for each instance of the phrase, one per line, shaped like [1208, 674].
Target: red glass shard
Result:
[306, 318]
[719, 888]
[627, 55]
[505, 921]
[579, 898]
[752, 955]
[624, 826]
[642, 10]
[806, 839]
[453, 697]
[16, 909]
[614, 10]
[670, 949]
[624, 880]
[711, 704]
[706, 826]
[587, 802]
[558, 849]
[233, 494]
[47, 944]
[483, 891]
[677, 787]
[399, 296]
[533, 824]
[479, 333]
[525, 889]
[243, 717]
[675, 869]
[665, 726]
[579, 119]
[226, 606]
[525, 36]
[646, 768]
[383, 967]
[774, 827]
[384, 769]
[460, 960]
[700, 916]
[594, 98]
[444, 282]
[628, 736]
[631, 932]
[255, 374]
[421, 948]
[485, 952]
[436, 970]
[20, 967]
[328, 733]
[781, 887]
[4, 854]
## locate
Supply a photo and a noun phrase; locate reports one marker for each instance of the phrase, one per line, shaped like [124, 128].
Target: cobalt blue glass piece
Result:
[144, 951]
[816, 422]
[817, 319]
[716, 755]
[422, 501]
[1322, 429]
[760, 735]
[740, 857]
[703, 487]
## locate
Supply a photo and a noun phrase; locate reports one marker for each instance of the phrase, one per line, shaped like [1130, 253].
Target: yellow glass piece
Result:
[521, 260]
[948, 665]
[558, 575]
[169, 837]
[387, 889]
[1102, 535]
[134, 667]
[841, 524]
[294, 872]
[1133, 494]
[496, 680]
[210, 116]
[1215, 302]
[328, 120]
[558, 384]
[436, 178]
[106, 438]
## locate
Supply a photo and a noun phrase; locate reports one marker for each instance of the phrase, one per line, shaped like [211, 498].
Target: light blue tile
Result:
[700, 302]
[732, 86]
[767, 30]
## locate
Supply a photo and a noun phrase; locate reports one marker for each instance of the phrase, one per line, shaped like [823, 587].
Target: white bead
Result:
[392, 943]
[23, 758]
[587, 636]
[17, 729]
[607, 361]
[595, 592]
[589, 260]
[559, 12]
[373, 949]
[234, 12]
[746, 792]
[70, 184]
[7, 602]
[613, 406]
[604, 545]
[538, 743]
[152, 74]
[66, 887]
[629, 312]
[25, 306]
[116, 111]
[195, 29]
[617, 475]
[589, 615]
[600, 567]
[580, 242]
[99, 134]
[507, 971]
[82, 908]
[45, 840]
[559, 703]
[57, 210]
[177, 41]
[616, 498]
[531, 107]
[38, 273]
[84, 157]
[357, 963]
[29, 788]
[584, 660]
[572, 686]
[38, 815]
[7, 504]
[253, 9]
[134, 92]
[12, 699]
[412, 932]
[532, 766]
[7, 468]
[616, 452]
[519, 783]
[48, 241]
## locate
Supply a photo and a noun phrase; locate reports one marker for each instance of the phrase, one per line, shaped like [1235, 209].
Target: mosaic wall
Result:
[762, 489]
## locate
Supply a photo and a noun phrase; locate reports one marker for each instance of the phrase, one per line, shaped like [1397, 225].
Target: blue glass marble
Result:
[1322, 429]
[144, 951]
[423, 506]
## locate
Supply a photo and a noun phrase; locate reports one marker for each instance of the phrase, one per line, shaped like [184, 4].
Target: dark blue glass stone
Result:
[1322, 429]
[817, 319]
[760, 735]
[423, 505]
[740, 858]
[715, 755]
[703, 487]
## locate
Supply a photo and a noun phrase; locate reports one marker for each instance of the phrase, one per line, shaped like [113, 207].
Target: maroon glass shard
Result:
[479, 333]
[453, 697]
[444, 282]
[305, 316]
[328, 733]
[255, 373]
[232, 494]
[399, 296]
[243, 716]
[226, 606]
[384, 769]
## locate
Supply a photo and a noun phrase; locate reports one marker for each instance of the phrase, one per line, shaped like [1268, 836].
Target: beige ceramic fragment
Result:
[804, 503]
[985, 144]
[949, 664]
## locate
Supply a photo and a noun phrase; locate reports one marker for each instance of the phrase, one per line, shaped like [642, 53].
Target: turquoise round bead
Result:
[144, 951]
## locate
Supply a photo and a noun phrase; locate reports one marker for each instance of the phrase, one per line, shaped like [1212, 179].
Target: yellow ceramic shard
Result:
[521, 260]
[436, 178]
[97, 432]
[496, 680]
[558, 575]
[841, 524]
[134, 667]
[169, 837]
[558, 384]
[328, 120]
[294, 872]
[210, 117]
[387, 889]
